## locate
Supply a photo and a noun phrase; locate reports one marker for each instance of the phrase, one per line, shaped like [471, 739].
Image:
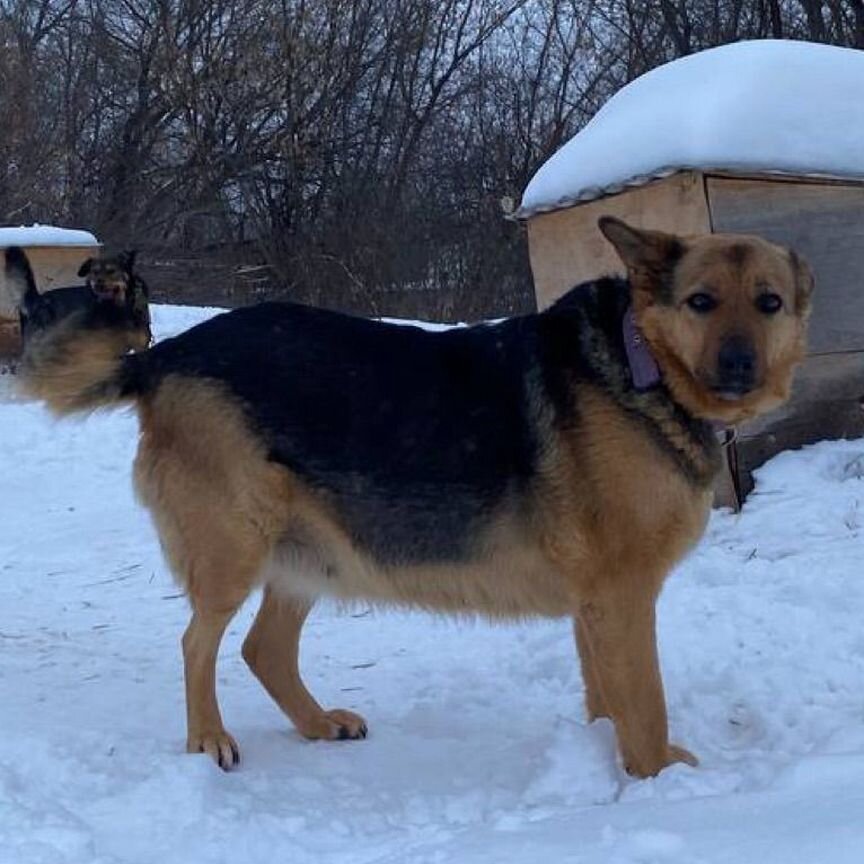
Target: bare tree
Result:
[351, 153]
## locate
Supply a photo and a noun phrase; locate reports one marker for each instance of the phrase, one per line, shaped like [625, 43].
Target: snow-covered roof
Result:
[45, 235]
[763, 107]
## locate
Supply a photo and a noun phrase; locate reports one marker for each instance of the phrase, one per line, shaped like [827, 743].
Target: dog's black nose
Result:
[736, 366]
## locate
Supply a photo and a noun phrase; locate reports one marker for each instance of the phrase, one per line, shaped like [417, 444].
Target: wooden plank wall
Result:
[824, 222]
[567, 248]
[10, 338]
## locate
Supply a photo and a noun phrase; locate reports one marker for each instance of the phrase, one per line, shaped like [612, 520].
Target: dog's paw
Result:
[679, 754]
[219, 746]
[651, 767]
[335, 725]
[349, 726]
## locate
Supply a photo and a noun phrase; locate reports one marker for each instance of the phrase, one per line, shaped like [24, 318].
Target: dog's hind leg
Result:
[206, 732]
[271, 650]
[219, 567]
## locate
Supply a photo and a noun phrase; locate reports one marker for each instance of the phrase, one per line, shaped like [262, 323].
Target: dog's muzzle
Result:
[736, 369]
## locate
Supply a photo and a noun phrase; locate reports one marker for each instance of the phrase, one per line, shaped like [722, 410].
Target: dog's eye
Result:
[769, 303]
[701, 302]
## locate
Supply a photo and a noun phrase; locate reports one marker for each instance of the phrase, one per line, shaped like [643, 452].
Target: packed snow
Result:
[479, 750]
[45, 235]
[767, 106]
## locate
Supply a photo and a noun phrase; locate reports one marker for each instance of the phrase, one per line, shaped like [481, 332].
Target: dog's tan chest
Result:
[617, 503]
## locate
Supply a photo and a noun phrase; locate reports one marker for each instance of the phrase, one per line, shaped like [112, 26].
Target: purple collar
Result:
[643, 367]
[646, 373]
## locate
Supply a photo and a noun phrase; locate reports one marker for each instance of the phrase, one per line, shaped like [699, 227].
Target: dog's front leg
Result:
[619, 634]
[595, 704]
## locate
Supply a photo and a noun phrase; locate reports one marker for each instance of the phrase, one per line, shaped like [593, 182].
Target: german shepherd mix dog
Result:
[523, 468]
[108, 280]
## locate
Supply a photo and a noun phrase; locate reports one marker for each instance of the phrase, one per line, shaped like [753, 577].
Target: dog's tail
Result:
[76, 366]
[82, 362]
[19, 275]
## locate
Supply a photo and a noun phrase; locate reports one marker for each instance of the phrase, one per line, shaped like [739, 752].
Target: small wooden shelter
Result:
[55, 255]
[756, 137]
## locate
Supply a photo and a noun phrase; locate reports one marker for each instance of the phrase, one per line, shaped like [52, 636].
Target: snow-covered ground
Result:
[478, 747]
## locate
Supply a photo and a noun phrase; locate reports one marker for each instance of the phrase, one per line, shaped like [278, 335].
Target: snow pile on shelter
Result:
[762, 107]
[45, 235]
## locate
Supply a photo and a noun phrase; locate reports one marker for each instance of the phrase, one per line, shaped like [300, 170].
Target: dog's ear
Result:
[650, 256]
[804, 282]
[84, 269]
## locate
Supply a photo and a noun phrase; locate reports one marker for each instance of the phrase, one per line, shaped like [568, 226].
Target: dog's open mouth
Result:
[108, 292]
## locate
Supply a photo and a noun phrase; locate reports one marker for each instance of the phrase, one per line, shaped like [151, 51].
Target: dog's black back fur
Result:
[53, 306]
[420, 437]
[376, 414]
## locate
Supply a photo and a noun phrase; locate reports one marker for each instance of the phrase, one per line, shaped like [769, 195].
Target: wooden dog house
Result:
[755, 137]
[55, 255]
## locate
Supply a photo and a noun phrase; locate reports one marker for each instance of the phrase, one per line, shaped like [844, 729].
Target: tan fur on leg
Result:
[272, 651]
[205, 730]
[620, 631]
[595, 705]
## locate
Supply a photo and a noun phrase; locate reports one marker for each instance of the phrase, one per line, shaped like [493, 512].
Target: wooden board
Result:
[10, 337]
[567, 248]
[827, 403]
[58, 267]
[8, 296]
[820, 380]
[822, 221]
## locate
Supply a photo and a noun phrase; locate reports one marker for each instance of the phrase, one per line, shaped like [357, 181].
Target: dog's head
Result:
[725, 316]
[113, 280]
[109, 278]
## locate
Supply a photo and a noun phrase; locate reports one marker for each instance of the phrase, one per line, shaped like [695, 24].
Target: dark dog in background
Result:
[109, 281]
[556, 464]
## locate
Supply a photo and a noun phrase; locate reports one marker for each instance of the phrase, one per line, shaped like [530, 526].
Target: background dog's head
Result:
[110, 278]
[113, 280]
[725, 316]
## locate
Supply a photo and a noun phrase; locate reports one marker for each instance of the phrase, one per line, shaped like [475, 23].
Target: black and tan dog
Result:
[109, 280]
[532, 467]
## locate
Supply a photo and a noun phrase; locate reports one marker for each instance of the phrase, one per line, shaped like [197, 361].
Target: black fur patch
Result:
[419, 438]
[46, 310]
[739, 254]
